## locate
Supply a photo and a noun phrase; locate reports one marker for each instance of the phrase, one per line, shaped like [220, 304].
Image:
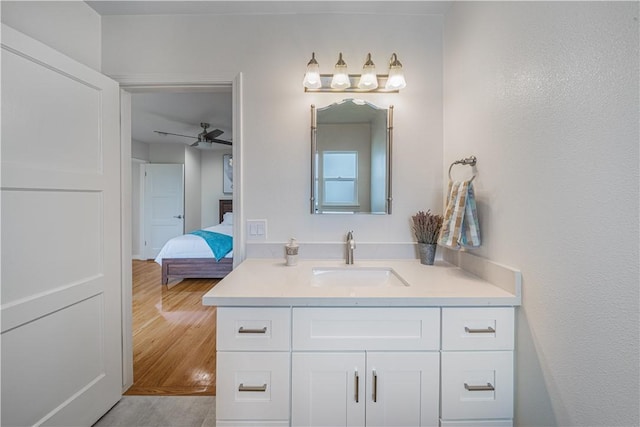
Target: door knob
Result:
[178, 216]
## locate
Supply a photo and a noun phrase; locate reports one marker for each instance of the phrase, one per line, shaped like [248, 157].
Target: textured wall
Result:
[272, 51]
[546, 96]
[70, 27]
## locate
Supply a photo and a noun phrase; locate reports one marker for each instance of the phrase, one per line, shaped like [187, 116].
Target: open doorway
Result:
[201, 202]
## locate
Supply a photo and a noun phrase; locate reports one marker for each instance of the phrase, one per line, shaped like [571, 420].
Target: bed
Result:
[189, 256]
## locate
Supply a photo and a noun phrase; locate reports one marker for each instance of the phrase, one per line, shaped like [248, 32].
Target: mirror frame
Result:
[314, 148]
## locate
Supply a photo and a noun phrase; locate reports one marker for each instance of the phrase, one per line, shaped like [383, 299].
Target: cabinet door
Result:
[328, 389]
[402, 389]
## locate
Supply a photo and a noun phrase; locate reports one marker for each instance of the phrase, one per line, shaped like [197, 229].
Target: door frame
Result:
[140, 83]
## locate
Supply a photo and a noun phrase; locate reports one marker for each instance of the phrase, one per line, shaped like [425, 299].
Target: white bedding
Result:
[191, 246]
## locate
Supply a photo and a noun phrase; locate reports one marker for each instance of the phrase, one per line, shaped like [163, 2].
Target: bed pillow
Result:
[227, 218]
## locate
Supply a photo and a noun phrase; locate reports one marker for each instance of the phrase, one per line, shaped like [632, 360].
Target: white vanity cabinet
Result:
[373, 366]
[477, 366]
[365, 367]
[437, 351]
[253, 366]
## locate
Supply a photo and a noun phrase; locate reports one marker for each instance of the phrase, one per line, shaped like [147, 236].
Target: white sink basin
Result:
[356, 277]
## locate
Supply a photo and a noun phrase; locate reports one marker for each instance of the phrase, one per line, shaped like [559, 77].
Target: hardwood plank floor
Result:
[174, 335]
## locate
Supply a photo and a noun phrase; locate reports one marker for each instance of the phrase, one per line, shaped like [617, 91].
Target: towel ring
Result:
[471, 161]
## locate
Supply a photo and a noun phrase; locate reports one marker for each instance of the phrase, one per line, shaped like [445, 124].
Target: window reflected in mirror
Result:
[351, 155]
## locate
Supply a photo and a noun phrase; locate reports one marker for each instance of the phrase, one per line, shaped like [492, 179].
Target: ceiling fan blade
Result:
[195, 144]
[175, 134]
[213, 134]
[220, 141]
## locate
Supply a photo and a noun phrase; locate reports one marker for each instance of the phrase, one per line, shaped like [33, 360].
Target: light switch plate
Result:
[256, 229]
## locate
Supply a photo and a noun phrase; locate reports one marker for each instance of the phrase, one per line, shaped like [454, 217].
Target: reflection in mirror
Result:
[351, 158]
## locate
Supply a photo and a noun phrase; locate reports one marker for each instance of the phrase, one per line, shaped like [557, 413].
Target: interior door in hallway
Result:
[163, 205]
[61, 245]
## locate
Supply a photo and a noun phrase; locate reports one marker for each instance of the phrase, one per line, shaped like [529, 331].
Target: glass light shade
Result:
[396, 79]
[368, 79]
[312, 76]
[340, 78]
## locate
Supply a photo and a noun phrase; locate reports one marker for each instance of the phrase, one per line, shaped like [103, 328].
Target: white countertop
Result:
[269, 282]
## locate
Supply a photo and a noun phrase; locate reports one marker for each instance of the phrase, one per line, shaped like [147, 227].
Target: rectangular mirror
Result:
[351, 158]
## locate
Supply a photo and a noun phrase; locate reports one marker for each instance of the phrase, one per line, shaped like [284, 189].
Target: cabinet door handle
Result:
[260, 388]
[357, 387]
[488, 330]
[375, 386]
[487, 387]
[242, 330]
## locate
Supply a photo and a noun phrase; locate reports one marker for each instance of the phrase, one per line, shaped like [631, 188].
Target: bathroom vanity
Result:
[379, 343]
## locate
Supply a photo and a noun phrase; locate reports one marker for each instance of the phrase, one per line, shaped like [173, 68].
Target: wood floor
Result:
[174, 335]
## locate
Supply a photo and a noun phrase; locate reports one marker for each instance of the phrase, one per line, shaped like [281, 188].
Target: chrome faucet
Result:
[351, 245]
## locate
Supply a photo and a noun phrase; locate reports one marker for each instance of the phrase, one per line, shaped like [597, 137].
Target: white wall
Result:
[272, 52]
[167, 153]
[192, 189]
[545, 94]
[70, 27]
[139, 150]
[211, 173]
[136, 209]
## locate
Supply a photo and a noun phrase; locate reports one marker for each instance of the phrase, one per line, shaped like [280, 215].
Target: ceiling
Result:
[181, 113]
[266, 7]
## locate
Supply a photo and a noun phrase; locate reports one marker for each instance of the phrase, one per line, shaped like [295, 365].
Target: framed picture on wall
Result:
[227, 174]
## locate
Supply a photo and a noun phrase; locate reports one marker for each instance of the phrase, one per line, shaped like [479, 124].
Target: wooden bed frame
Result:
[198, 268]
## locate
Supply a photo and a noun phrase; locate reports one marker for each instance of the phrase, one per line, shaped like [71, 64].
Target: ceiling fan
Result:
[203, 136]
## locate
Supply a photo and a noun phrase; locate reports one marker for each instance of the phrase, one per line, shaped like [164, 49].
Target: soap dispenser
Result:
[291, 250]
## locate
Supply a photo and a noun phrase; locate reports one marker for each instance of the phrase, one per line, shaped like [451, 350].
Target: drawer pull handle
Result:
[259, 388]
[242, 330]
[487, 387]
[357, 379]
[488, 330]
[375, 386]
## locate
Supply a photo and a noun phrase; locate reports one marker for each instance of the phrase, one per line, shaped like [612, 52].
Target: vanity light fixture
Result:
[342, 81]
[369, 79]
[396, 76]
[340, 78]
[312, 76]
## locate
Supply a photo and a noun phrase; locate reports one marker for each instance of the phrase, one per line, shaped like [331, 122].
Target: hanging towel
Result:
[460, 228]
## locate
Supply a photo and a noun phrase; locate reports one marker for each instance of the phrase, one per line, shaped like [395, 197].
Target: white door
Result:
[403, 389]
[328, 389]
[61, 245]
[163, 205]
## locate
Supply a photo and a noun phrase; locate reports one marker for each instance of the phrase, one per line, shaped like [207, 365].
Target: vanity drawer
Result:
[476, 385]
[366, 329]
[253, 328]
[252, 386]
[478, 328]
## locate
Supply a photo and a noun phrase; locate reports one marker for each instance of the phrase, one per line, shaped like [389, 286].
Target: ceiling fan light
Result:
[340, 78]
[312, 76]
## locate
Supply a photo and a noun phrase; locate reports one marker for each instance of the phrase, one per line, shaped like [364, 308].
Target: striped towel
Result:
[460, 228]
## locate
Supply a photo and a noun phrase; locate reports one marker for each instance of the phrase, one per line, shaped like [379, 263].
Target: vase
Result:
[427, 253]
